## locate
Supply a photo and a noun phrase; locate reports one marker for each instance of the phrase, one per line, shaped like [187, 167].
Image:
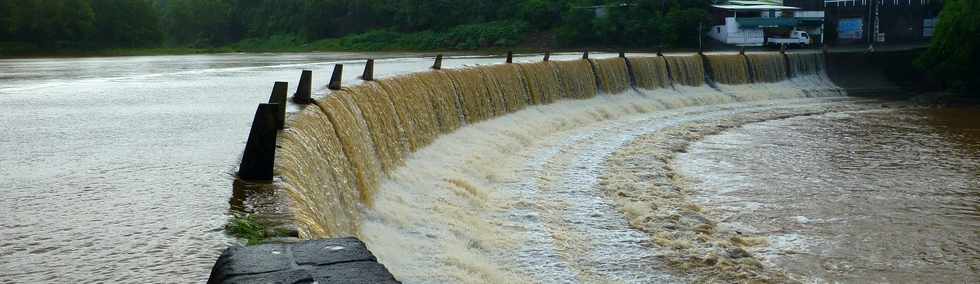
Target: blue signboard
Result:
[851, 28]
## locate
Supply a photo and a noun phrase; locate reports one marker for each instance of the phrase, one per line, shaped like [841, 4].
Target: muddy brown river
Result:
[885, 195]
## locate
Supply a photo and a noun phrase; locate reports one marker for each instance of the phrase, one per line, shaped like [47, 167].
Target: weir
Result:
[686, 70]
[651, 72]
[335, 154]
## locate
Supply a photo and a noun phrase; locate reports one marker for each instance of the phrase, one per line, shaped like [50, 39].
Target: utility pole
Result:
[700, 44]
[873, 23]
[877, 22]
[868, 23]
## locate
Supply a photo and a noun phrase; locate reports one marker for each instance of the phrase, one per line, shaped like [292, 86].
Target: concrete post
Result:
[622, 54]
[826, 58]
[708, 72]
[338, 72]
[629, 69]
[670, 76]
[510, 57]
[741, 51]
[547, 56]
[660, 51]
[789, 67]
[279, 97]
[368, 71]
[259, 158]
[438, 64]
[585, 55]
[304, 91]
[748, 66]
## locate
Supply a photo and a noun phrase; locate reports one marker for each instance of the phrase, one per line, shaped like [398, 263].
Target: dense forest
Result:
[346, 24]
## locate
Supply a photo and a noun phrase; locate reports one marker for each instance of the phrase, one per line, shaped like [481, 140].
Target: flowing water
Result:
[120, 169]
[884, 195]
[468, 175]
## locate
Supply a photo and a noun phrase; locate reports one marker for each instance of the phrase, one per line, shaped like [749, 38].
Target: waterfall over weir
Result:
[336, 155]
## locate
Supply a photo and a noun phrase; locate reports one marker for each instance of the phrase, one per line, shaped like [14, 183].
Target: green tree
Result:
[200, 23]
[686, 25]
[540, 14]
[642, 23]
[129, 23]
[953, 55]
[49, 23]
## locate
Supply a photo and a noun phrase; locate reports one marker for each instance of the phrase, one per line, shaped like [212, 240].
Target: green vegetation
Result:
[954, 56]
[245, 227]
[123, 27]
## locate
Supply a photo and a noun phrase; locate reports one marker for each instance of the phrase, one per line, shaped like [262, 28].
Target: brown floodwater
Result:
[887, 195]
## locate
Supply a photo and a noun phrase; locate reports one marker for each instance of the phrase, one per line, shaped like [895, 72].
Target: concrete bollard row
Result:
[259, 156]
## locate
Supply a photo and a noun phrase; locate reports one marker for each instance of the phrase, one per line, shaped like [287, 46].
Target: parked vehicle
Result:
[795, 38]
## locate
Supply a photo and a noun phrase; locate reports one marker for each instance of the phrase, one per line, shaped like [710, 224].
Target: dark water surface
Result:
[120, 169]
[876, 196]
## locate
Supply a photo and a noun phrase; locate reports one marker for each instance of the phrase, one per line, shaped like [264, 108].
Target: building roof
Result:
[754, 7]
[767, 22]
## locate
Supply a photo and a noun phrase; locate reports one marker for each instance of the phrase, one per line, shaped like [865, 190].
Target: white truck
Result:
[796, 38]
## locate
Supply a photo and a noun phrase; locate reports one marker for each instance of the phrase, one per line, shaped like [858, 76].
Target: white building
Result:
[749, 23]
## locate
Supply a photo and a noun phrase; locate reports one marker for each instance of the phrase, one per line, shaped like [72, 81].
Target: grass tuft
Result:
[244, 226]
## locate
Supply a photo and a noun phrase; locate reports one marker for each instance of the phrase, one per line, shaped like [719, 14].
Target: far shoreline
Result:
[172, 51]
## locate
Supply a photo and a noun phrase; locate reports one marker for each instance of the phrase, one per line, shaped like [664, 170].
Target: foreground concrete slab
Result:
[345, 260]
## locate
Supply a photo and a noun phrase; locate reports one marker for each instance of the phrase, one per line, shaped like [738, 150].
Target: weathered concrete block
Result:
[345, 260]
[283, 277]
[353, 272]
[252, 260]
[331, 251]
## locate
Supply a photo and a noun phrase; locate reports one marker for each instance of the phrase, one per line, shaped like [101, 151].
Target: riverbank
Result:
[481, 38]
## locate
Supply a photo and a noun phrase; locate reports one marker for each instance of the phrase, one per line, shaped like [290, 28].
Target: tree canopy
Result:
[53, 24]
[953, 55]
